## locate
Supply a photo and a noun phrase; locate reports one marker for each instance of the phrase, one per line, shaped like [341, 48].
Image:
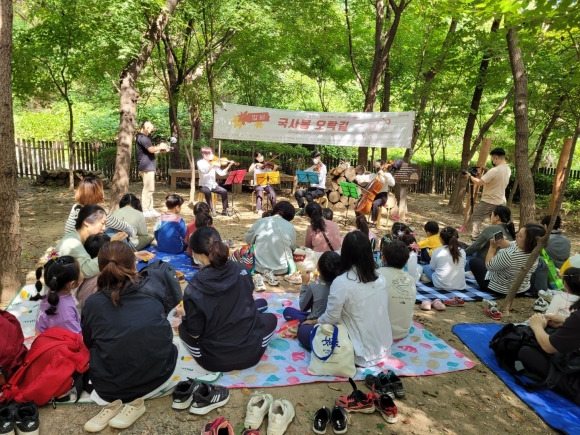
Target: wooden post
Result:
[560, 173]
[481, 161]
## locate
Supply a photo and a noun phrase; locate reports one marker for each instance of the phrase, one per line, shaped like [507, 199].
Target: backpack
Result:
[12, 349]
[162, 272]
[52, 367]
[506, 344]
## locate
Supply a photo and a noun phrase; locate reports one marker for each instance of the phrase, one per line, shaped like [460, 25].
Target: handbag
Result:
[332, 351]
[245, 255]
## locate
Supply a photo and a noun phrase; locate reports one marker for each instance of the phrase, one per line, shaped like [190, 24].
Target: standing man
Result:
[207, 182]
[315, 190]
[145, 153]
[494, 183]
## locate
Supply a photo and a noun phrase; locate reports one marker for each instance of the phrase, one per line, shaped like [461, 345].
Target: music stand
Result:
[235, 177]
[350, 191]
[266, 178]
[309, 177]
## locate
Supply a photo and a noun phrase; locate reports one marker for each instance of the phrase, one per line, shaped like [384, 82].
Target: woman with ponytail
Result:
[127, 332]
[321, 235]
[58, 306]
[447, 266]
[221, 325]
[501, 221]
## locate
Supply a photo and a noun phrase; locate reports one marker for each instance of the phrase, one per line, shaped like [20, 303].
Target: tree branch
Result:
[350, 48]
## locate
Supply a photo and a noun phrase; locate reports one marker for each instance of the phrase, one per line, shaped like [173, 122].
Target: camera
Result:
[473, 171]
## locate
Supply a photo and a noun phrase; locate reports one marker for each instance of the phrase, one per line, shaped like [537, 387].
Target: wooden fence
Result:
[34, 156]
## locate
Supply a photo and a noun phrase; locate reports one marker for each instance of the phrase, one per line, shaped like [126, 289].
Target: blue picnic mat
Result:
[557, 411]
[470, 294]
[181, 262]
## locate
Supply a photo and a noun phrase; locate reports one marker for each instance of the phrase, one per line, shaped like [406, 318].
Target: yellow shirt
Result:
[430, 243]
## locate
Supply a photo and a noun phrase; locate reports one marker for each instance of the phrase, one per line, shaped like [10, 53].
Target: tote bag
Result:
[332, 351]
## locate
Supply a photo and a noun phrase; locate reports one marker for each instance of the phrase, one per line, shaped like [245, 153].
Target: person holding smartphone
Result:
[501, 222]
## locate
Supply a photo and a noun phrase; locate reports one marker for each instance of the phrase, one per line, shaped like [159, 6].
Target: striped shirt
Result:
[503, 268]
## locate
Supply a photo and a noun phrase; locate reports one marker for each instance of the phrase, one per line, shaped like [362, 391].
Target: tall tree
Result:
[129, 96]
[9, 214]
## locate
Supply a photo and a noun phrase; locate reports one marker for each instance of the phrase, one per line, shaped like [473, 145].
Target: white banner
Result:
[354, 129]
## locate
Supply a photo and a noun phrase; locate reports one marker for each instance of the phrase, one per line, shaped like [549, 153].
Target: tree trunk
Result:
[128, 102]
[523, 172]
[546, 132]
[9, 215]
[386, 105]
[71, 145]
[456, 200]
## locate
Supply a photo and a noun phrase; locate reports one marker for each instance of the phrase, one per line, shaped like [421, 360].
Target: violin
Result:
[222, 161]
[317, 167]
[270, 164]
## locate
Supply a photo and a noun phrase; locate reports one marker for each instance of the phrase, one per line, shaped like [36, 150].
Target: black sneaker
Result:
[379, 384]
[321, 419]
[339, 420]
[208, 397]
[26, 419]
[183, 393]
[396, 384]
[6, 420]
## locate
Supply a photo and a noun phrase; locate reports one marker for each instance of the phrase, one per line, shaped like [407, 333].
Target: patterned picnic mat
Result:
[470, 294]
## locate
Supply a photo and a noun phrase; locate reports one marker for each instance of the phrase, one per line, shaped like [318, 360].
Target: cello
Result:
[365, 203]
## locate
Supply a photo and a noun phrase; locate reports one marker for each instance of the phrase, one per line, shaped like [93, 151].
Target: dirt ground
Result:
[466, 402]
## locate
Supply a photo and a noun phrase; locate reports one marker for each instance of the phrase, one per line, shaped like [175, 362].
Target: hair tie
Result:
[51, 253]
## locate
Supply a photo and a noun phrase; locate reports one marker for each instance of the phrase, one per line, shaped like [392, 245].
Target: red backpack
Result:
[52, 366]
[12, 349]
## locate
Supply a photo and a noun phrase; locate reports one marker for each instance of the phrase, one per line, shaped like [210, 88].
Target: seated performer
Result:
[259, 167]
[207, 168]
[315, 190]
[381, 198]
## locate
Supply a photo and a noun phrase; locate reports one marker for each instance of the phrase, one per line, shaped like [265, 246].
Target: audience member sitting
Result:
[199, 207]
[564, 340]
[94, 242]
[358, 300]
[274, 240]
[412, 267]
[362, 225]
[59, 307]
[558, 247]
[400, 287]
[221, 327]
[501, 267]
[573, 261]
[500, 219]
[127, 332]
[327, 213]
[428, 245]
[170, 227]
[321, 235]
[90, 191]
[447, 267]
[130, 211]
[314, 295]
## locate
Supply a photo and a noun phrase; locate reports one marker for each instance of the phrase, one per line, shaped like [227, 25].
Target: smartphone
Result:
[498, 236]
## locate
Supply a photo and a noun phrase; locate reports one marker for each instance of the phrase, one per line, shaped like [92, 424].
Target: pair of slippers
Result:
[437, 305]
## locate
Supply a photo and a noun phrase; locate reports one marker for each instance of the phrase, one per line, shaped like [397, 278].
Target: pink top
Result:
[316, 241]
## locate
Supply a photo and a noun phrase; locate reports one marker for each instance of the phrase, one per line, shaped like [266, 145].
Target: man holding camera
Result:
[494, 183]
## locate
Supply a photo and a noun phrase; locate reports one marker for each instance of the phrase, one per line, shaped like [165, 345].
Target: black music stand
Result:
[350, 191]
[235, 177]
[266, 178]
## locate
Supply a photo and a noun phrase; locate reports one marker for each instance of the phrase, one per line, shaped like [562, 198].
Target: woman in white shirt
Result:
[358, 299]
[447, 266]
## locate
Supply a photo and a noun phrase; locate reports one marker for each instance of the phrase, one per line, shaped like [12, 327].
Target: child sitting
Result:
[362, 225]
[199, 207]
[58, 307]
[400, 287]
[327, 214]
[130, 211]
[428, 245]
[94, 242]
[447, 266]
[412, 267]
[170, 227]
[314, 296]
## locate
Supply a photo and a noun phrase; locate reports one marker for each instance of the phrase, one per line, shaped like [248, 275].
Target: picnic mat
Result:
[557, 411]
[470, 294]
[181, 262]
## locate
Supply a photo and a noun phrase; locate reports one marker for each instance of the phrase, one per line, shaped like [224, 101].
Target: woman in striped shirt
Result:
[501, 267]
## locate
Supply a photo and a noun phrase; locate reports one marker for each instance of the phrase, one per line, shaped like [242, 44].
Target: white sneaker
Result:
[260, 212]
[424, 279]
[270, 278]
[101, 420]
[151, 213]
[279, 417]
[540, 305]
[258, 283]
[129, 414]
[258, 407]
[548, 295]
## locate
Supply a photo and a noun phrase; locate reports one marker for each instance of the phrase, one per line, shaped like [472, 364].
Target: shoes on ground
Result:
[487, 303]
[424, 278]
[183, 393]
[151, 213]
[547, 295]
[294, 278]
[101, 420]
[260, 212]
[426, 305]
[454, 302]
[208, 397]
[226, 213]
[270, 278]
[492, 312]
[6, 419]
[213, 213]
[300, 212]
[230, 243]
[220, 426]
[280, 416]
[357, 401]
[21, 418]
[258, 407]
[541, 305]
[321, 420]
[128, 415]
[438, 305]
[387, 408]
[380, 384]
[339, 419]
[396, 384]
[258, 283]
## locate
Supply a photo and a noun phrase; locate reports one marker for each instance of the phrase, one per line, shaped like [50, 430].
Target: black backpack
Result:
[161, 272]
[506, 344]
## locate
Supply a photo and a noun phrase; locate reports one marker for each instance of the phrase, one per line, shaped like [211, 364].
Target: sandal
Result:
[438, 305]
[455, 302]
[492, 312]
[426, 305]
